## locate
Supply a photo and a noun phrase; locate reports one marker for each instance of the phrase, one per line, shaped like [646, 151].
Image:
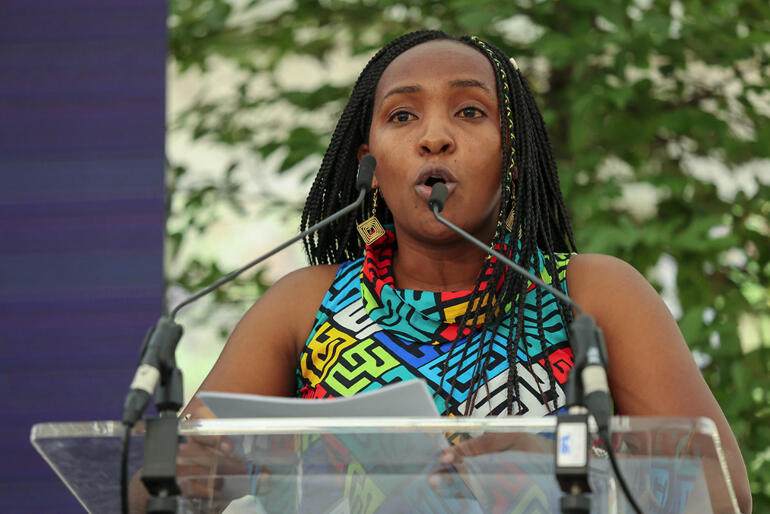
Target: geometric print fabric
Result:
[348, 352]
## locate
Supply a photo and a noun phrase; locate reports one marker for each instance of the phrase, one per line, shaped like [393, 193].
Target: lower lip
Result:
[424, 191]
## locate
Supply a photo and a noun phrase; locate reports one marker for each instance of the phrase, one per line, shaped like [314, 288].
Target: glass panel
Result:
[672, 465]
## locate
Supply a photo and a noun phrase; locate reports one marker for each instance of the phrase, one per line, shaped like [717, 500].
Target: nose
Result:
[436, 138]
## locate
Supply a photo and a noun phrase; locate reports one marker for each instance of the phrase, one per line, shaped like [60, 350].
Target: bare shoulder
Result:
[633, 317]
[644, 343]
[261, 353]
[599, 281]
[308, 280]
[651, 369]
[294, 298]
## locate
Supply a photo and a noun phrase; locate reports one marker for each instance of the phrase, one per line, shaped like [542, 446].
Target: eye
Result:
[471, 112]
[401, 117]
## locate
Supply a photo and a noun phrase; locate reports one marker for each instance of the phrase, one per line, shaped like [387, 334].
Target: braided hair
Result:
[539, 214]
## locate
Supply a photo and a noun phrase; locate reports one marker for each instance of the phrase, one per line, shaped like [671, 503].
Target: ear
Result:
[363, 151]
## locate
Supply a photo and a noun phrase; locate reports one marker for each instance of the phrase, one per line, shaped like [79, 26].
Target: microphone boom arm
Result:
[508, 262]
[233, 274]
[157, 369]
[587, 390]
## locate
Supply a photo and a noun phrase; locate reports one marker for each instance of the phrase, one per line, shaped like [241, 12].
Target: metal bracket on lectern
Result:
[161, 443]
[572, 443]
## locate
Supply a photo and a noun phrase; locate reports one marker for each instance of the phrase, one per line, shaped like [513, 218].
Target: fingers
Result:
[216, 458]
[486, 443]
[204, 461]
[201, 485]
[200, 411]
[207, 445]
[216, 451]
[197, 482]
[446, 481]
[218, 442]
[494, 442]
[197, 410]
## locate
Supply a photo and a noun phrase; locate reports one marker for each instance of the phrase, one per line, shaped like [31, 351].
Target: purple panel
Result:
[39, 495]
[72, 21]
[36, 182]
[88, 226]
[82, 112]
[112, 124]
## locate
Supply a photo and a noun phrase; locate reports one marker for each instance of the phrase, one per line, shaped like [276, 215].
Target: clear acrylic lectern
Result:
[367, 465]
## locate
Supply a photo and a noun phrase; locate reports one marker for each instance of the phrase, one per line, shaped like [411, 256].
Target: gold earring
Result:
[371, 229]
[509, 220]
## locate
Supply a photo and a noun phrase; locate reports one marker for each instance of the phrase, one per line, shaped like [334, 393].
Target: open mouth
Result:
[432, 176]
[431, 181]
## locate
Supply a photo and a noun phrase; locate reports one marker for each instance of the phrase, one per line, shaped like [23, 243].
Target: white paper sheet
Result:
[409, 398]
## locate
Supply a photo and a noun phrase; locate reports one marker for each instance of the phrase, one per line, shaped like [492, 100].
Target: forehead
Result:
[436, 60]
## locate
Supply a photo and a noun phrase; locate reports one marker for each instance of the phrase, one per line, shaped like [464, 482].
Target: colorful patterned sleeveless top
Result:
[368, 333]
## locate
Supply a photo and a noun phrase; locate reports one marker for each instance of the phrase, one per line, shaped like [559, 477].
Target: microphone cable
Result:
[155, 347]
[436, 201]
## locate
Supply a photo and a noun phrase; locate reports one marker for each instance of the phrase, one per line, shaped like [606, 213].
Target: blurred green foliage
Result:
[657, 111]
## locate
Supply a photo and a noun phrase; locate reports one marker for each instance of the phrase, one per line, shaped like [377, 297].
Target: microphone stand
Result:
[587, 391]
[158, 368]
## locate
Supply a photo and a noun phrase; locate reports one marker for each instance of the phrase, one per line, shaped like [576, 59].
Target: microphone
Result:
[591, 360]
[438, 196]
[586, 384]
[157, 355]
[436, 201]
[589, 349]
[157, 365]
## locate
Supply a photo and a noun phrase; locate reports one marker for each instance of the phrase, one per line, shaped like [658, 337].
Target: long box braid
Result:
[540, 217]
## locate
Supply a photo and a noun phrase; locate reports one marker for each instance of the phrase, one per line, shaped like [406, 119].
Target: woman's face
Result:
[435, 117]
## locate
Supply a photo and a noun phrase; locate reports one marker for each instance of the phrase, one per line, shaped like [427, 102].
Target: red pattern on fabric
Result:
[337, 452]
[376, 272]
[450, 332]
[562, 360]
[314, 393]
[447, 296]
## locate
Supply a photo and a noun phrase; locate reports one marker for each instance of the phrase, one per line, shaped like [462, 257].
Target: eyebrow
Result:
[459, 83]
[402, 90]
[470, 83]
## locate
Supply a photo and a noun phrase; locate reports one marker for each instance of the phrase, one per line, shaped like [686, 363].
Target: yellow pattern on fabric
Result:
[561, 261]
[454, 313]
[306, 441]
[363, 495]
[325, 348]
[361, 365]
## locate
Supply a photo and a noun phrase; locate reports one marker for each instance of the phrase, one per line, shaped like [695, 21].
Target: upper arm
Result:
[648, 357]
[651, 370]
[261, 354]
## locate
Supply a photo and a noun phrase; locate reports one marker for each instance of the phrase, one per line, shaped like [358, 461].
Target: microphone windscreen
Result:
[438, 196]
[366, 172]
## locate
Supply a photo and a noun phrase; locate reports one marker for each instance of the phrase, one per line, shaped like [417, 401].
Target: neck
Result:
[426, 266]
